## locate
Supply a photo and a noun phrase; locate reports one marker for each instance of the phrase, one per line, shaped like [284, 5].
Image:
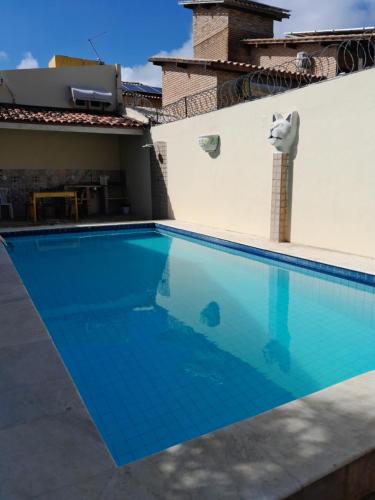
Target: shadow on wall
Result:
[292, 156]
[161, 203]
[215, 154]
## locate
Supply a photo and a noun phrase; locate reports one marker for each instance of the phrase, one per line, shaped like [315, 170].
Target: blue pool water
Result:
[168, 338]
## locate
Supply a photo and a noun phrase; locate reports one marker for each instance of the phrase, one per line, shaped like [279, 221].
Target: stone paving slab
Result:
[49, 453]
[29, 363]
[270, 456]
[14, 313]
[88, 490]
[34, 400]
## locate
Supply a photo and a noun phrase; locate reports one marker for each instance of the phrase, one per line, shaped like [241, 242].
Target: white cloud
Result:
[325, 14]
[3, 55]
[28, 62]
[151, 74]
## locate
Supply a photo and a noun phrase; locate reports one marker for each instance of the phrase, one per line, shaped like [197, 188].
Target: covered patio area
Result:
[63, 166]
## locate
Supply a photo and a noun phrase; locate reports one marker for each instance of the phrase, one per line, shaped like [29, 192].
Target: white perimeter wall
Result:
[334, 171]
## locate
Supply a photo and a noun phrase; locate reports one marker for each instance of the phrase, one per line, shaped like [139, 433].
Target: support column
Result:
[279, 202]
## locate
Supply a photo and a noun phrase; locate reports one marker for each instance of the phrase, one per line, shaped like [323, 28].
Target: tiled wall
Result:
[22, 182]
[279, 201]
[159, 180]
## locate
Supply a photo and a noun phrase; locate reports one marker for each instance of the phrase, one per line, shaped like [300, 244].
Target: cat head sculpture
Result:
[283, 132]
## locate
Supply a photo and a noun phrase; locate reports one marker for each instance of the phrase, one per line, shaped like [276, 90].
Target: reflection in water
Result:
[164, 288]
[277, 350]
[167, 339]
[210, 315]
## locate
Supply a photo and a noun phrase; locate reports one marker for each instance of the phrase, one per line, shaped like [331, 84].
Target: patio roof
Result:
[65, 118]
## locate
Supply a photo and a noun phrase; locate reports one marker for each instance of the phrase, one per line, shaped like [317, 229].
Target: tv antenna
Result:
[98, 58]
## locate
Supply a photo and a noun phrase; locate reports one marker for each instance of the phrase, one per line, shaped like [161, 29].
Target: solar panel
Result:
[140, 87]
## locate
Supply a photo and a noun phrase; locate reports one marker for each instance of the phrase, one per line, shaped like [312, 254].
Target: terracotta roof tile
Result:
[53, 116]
[241, 67]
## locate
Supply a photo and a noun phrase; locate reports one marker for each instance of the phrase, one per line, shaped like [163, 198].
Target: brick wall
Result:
[193, 90]
[142, 102]
[215, 47]
[210, 32]
[217, 32]
[181, 82]
[246, 25]
[323, 63]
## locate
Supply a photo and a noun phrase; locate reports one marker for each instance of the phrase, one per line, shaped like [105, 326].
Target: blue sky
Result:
[33, 30]
[135, 29]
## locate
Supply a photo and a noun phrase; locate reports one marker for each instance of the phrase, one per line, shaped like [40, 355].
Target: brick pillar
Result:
[279, 203]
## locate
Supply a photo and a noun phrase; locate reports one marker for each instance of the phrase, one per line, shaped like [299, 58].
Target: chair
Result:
[4, 202]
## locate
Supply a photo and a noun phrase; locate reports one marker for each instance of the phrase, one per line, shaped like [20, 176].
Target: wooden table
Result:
[53, 194]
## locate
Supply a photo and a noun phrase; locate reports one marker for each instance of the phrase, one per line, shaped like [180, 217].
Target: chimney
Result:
[220, 25]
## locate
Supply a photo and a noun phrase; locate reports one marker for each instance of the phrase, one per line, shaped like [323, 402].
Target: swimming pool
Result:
[168, 338]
